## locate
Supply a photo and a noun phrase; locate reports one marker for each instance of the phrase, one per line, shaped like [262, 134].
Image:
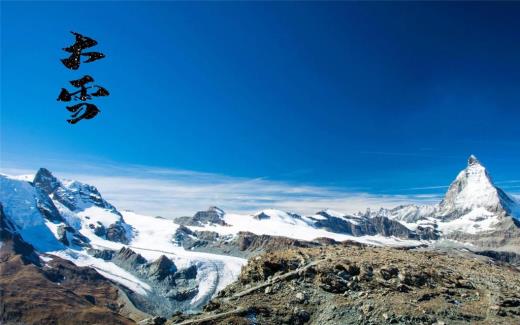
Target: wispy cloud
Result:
[437, 187]
[173, 192]
[513, 181]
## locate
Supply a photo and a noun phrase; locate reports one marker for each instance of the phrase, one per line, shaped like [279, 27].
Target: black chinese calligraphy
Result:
[82, 94]
[76, 52]
[89, 111]
[84, 91]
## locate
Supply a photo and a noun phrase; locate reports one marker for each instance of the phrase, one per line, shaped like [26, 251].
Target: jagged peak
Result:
[44, 172]
[472, 160]
[45, 180]
[162, 267]
[474, 188]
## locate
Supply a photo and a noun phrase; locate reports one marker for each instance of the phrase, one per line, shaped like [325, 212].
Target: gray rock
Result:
[213, 215]
[116, 232]
[300, 297]
[46, 181]
[161, 268]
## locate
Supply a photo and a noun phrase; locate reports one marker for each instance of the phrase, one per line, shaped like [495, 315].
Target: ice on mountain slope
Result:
[21, 203]
[153, 238]
[107, 269]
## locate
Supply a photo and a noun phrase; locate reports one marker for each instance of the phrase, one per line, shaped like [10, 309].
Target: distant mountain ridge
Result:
[473, 211]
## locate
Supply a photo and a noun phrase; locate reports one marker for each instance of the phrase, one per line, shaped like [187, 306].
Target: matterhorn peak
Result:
[473, 188]
[472, 160]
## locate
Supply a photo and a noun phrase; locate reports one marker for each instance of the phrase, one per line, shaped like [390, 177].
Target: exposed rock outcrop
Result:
[212, 216]
[366, 285]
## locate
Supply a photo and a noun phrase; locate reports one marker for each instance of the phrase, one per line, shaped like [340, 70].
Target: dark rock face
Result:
[244, 244]
[161, 268]
[189, 273]
[47, 208]
[77, 196]
[99, 229]
[128, 258]
[69, 236]
[212, 216]
[157, 320]
[46, 181]
[74, 196]
[247, 241]
[388, 227]
[427, 233]
[364, 225]
[374, 224]
[116, 232]
[191, 240]
[104, 254]
[262, 216]
[182, 234]
[172, 289]
[334, 224]
[502, 256]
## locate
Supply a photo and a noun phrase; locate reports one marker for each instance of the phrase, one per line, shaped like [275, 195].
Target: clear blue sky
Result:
[383, 96]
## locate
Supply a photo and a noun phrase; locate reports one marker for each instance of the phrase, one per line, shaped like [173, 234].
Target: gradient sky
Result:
[373, 97]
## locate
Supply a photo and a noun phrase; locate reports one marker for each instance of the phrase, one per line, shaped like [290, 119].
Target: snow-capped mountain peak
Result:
[74, 195]
[474, 188]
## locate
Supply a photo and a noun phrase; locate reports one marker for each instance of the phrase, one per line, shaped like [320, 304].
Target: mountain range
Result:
[64, 237]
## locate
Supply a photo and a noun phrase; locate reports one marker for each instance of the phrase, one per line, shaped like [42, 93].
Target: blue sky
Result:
[378, 98]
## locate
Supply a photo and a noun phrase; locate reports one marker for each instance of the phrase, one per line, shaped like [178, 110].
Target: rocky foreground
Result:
[355, 284]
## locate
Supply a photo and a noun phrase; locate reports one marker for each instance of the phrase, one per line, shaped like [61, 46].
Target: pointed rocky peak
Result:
[76, 196]
[472, 160]
[474, 188]
[46, 181]
[162, 267]
[262, 216]
[213, 215]
[126, 254]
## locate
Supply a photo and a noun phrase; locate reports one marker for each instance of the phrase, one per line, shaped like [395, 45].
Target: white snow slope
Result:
[151, 237]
